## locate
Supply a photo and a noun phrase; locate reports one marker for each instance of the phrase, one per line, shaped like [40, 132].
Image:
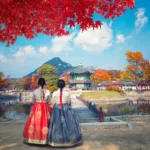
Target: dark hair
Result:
[61, 84]
[41, 82]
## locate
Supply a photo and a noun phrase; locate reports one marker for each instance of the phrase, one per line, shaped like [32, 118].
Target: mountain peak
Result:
[59, 64]
[56, 58]
[55, 61]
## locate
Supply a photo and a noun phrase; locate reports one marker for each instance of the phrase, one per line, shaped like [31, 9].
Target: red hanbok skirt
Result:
[36, 128]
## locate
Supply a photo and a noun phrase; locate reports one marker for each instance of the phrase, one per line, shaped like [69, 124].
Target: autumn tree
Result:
[28, 18]
[145, 65]
[115, 75]
[34, 82]
[127, 76]
[49, 73]
[133, 69]
[134, 58]
[3, 81]
[27, 82]
[99, 76]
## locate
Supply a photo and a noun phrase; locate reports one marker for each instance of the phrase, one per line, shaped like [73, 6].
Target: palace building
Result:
[81, 78]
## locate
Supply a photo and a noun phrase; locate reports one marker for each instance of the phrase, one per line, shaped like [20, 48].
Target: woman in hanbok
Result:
[36, 128]
[64, 129]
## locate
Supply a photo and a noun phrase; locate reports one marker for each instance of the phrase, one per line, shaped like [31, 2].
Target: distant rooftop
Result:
[80, 69]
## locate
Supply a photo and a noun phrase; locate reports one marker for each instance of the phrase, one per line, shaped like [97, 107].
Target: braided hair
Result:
[61, 85]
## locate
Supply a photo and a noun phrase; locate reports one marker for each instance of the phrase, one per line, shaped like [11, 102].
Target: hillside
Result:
[60, 65]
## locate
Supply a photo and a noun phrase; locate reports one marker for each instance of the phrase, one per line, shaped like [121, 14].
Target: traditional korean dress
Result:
[64, 129]
[36, 128]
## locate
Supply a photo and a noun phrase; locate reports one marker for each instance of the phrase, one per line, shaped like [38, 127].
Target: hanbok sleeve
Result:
[69, 98]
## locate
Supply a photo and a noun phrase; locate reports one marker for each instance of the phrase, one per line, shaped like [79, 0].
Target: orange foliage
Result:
[126, 76]
[100, 75]
[111, 74]
[118, 76]
[115, 75]
[134, 71]
[34, 81]
[132, 68]
[134, 57]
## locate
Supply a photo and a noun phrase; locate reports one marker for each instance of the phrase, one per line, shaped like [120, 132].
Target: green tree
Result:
[49, 73]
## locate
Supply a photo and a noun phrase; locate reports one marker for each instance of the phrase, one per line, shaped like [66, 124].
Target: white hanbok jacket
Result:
[65, 97]
[37, 95]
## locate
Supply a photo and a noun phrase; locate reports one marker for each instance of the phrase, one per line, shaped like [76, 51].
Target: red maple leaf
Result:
[31, 17]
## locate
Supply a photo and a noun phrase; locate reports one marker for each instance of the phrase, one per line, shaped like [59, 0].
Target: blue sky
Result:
[102, 48]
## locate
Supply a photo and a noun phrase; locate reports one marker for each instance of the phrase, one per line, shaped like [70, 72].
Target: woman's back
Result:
[36, 128]
[64, 128]
[37, 93]
[65, 97]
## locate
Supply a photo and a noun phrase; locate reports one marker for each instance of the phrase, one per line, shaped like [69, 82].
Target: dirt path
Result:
[93, 139]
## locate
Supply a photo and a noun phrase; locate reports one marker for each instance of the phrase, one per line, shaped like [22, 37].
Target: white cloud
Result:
[95, 40]
[44, 50]
[25, 51]
[141, 19]
[23, 61]
[62, 43]
[3, 59]
[120, 38]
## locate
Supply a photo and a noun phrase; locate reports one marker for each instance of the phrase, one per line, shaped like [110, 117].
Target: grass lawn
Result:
[102, 95]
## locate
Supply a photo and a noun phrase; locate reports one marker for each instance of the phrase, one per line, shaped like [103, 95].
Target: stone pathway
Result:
[83, 113]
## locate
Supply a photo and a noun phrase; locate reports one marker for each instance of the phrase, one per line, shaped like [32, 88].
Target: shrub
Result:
[113, 88]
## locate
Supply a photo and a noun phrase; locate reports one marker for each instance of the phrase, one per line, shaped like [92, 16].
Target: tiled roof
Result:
[81, 69]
